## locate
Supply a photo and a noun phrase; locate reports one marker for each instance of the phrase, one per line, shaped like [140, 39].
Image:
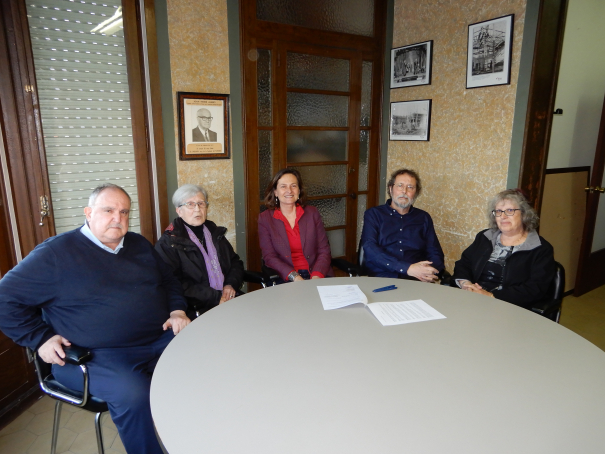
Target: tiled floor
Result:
[31, 432]
[586, 316]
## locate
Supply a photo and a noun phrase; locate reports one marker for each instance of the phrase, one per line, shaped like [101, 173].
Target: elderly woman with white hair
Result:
[509, 261]
[202, 258]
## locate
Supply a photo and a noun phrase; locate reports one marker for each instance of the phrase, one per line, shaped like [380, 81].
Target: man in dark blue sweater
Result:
[398, 239]
[106, 289]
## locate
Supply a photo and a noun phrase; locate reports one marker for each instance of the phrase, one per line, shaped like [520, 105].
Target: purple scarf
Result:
[213, 267]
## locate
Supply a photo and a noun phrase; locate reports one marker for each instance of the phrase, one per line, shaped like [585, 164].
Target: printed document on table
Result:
[337, 296]
[404, 312]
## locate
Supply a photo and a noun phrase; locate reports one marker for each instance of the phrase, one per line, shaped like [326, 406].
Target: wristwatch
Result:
[293, 275]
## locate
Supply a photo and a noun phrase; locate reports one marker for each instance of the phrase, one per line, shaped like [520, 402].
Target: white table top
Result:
[271, 372]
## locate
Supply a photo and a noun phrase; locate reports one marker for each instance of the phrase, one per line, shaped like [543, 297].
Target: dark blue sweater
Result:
[91, 297]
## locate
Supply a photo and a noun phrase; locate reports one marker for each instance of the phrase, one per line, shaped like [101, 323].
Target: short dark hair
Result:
[409, 172]
[529, 217]
[95, 193]
[271, 202]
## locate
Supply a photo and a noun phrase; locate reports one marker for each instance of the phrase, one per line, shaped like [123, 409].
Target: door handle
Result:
[43, 209]
[591, 189]
[353, 195]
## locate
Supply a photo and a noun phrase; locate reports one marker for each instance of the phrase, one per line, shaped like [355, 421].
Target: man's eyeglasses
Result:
[408, 187]
[508, 212]
[207, 118]
[192, 205]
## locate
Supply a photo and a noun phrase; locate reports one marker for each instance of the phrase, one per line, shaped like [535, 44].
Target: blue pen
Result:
[384, 289]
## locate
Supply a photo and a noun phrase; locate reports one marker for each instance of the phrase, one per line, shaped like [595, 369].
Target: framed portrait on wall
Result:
[203, 125]
[489, 52]
[412, 65]
[410, 120]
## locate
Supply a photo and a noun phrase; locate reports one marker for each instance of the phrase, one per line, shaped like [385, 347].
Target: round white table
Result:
[271, 372]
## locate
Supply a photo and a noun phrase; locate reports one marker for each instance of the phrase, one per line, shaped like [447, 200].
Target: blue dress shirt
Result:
[392, 242]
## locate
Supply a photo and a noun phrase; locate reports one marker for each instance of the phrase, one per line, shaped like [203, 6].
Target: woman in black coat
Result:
[202, 258]
[508, 261]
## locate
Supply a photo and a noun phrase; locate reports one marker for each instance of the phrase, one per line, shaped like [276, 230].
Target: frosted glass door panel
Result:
[265, 158]
[318, 73]
[306, 109]
[324, 180]
[337, 242]
[263, 75]
[333, 211]
[316, 146]
[364, 144]
[366, 93]
[346, 16]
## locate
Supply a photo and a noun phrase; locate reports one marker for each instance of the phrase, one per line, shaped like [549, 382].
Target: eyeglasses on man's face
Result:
[508, 212]
[405, 187]
[207, 118]
[192, 205]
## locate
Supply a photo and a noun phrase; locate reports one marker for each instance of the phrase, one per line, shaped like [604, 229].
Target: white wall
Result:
[580, 94]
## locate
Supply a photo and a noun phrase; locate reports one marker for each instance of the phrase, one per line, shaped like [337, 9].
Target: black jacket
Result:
[527, 274]
[184, 257]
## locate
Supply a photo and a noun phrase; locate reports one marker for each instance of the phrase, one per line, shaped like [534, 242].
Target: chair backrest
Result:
[361, 261]
[557, 287]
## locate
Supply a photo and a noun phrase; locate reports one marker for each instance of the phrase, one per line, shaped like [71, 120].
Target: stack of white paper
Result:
[395, 313]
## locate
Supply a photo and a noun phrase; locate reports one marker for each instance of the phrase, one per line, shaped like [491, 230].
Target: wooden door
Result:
[312, 101]
[591, 267]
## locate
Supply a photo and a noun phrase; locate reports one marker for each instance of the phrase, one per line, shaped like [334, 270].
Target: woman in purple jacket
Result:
[291, 233]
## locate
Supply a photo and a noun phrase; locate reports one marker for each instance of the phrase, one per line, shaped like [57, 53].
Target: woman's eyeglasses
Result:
[508, 212]
[192, 205]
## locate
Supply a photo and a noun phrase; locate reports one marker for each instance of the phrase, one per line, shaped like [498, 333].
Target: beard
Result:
[402, 202]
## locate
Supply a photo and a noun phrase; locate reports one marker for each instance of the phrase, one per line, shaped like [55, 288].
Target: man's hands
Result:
[52, 352]
[423, 271]
[177, 321]
[228, 294]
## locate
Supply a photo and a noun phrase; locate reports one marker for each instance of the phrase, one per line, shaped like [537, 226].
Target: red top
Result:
[298, 256]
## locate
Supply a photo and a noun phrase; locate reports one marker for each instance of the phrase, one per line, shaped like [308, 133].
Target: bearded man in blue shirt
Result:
[398, 239]
[105, 289]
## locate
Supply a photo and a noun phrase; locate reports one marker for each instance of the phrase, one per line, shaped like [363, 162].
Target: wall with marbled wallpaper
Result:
[466, 160]
[199, 61]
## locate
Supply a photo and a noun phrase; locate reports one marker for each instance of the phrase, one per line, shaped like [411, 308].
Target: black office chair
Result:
[268, 277]
[77, 356]
[352, 269]
[550, 306]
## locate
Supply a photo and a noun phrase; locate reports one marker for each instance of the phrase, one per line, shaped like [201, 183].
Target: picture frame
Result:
[489, 52]
[203, 126]
[410, 120]
[412, 65]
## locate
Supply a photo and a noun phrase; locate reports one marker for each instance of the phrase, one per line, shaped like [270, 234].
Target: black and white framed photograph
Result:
[410, 120]
[411, 65]
[203, 125]
[490, 48]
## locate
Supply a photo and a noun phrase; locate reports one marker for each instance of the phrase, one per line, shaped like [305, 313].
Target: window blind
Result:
[80, 64]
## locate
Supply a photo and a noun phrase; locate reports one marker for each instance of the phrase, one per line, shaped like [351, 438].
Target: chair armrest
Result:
[546, 307]
[446, 278]
[346, 266]
[253, 276]
[77, 355]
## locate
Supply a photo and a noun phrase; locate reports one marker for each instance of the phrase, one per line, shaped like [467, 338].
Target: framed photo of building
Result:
[410, 120]
[489, 52]
[412, 65]
[203, 125]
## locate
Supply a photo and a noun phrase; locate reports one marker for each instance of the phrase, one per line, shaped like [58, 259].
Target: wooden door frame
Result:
[25, 151]
[542, 93]
[591, 265]
[255, 32]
